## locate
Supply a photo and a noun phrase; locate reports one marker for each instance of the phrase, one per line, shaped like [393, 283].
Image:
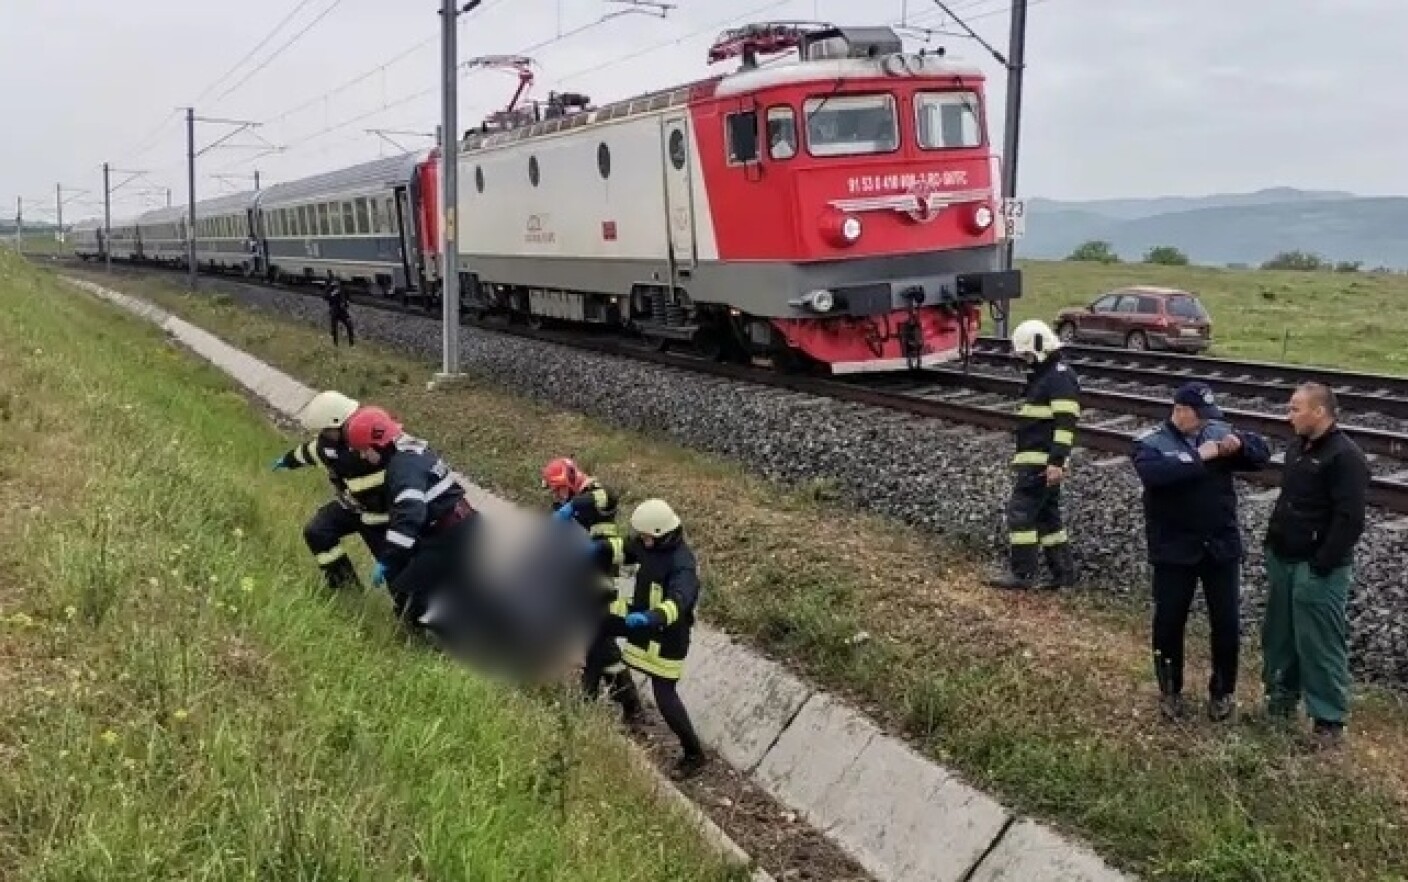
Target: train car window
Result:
[948, 120]
[533, 176]
[742, 132]
[324, 229]
[603, 160]
[364, 224]
[374, 216]
[782, 132]
[349, 219]
[393, 224]
[851, 125]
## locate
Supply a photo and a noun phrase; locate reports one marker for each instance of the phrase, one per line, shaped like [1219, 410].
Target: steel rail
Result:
[1383, 492]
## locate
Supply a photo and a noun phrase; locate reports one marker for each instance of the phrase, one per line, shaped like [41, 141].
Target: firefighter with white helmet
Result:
[1044, 438]
[657, 617]
[359, 505]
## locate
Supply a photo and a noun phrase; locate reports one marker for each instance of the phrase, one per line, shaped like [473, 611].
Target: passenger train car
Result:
[374, 225]
[836, 209]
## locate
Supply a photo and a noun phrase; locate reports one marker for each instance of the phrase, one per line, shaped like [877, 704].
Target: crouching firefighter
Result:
[430, 519]
[1044, 438]
[359, 505]
[658, 616]
[583, 499]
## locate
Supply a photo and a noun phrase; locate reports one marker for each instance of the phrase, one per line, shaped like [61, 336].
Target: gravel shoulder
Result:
[860, 573]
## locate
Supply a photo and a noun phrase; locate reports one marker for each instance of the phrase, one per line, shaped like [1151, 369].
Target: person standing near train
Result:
[1192, 533]
[1050, 410]
[1318, 519]
[339, 312]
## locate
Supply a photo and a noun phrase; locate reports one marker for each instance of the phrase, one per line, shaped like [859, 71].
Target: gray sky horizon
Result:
[1123, 98]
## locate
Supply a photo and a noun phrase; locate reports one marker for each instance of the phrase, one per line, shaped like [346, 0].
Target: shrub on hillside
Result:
[1301, 261]
[1166, 255]
[1095, 252]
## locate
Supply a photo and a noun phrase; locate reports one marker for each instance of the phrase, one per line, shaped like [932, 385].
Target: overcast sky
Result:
[1122, 97]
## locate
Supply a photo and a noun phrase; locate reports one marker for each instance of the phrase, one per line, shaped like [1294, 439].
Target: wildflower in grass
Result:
[129, 763]
[239, 534]
[214, 579]
[180, 714]
[70, 611]
[21, 619]
[246, 584]
[109, 737]
[153, 581]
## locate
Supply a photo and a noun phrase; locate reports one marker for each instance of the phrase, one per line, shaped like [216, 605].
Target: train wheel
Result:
[708, 345]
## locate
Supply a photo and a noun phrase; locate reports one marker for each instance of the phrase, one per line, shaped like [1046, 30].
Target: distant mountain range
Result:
[1244, 228]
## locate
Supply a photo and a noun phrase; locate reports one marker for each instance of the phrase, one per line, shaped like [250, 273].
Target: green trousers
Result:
[1305, 640]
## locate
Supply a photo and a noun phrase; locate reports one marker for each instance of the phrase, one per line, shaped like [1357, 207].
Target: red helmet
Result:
[562, 477]
[370, 427]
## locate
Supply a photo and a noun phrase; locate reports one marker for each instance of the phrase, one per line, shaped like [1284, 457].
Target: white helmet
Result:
[654, 517]
[1034, 337]
[327, 410]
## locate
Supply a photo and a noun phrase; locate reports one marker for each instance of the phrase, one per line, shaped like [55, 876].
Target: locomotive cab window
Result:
[948, 120]
[851, 125]
[782, 132]
[742, 132]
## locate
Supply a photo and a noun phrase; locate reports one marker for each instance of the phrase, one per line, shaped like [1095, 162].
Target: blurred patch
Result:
[522, 609]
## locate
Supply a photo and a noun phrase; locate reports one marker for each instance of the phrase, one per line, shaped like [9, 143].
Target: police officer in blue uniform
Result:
[1190, 513]
[428, 533]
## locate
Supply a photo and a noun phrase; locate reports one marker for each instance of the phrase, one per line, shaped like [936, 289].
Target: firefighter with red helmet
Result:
[430, 518]
[582, 498]
[360, 505]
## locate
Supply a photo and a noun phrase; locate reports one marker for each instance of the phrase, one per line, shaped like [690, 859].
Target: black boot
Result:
[1062, 566]
[624, 693]
[340, 575]
[1021, 572]
[689, 765]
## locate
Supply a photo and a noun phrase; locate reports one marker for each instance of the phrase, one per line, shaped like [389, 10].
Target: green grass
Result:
[1342, 320]
[179, 701]
[1047, 702]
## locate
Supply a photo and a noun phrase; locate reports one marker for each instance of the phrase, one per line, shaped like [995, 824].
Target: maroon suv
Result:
[1139, 317]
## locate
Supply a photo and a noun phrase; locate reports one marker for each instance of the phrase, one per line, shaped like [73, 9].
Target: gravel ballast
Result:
[949, 479]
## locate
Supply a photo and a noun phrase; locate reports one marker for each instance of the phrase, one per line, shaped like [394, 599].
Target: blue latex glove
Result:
[564, 513]
[379, 574]
[279, 464]
[637, 620]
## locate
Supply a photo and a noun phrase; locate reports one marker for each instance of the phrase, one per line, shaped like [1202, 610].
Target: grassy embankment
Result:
[177, 701]
[1048, 702]
[1344, 320]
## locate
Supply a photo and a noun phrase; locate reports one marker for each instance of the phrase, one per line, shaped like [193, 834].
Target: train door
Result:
[679, 194]
[254, 242]
[406, 224]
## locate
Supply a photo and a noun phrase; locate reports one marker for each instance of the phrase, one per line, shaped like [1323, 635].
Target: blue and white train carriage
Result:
[358, 224]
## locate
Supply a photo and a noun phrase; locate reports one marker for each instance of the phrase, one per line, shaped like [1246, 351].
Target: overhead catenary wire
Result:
[294, 39]
[302, 4]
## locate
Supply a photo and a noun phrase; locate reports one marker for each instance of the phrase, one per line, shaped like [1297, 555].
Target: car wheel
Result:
[1136, 340]
[1066, 331]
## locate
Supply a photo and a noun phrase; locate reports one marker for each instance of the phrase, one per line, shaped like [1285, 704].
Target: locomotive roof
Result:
[377, 173]
[737, 82]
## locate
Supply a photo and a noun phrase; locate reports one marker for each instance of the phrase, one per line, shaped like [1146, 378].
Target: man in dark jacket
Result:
[1310, 541]
[339, 311]
[1190, 523]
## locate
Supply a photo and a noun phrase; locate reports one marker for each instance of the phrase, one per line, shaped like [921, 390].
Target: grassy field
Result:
[1345, 320]
[1048, 702]
[177, 699]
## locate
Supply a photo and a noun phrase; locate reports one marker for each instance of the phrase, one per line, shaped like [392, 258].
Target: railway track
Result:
[918, 398]
[1357, 392]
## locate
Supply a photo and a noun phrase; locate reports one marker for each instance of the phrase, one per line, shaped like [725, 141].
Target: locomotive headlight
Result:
[982, 217]
[850, 229]
[821, 300]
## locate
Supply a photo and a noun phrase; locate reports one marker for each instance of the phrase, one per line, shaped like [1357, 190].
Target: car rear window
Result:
[1186, 307]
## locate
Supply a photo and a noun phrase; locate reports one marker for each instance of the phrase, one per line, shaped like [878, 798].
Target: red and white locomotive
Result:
[837, 208]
